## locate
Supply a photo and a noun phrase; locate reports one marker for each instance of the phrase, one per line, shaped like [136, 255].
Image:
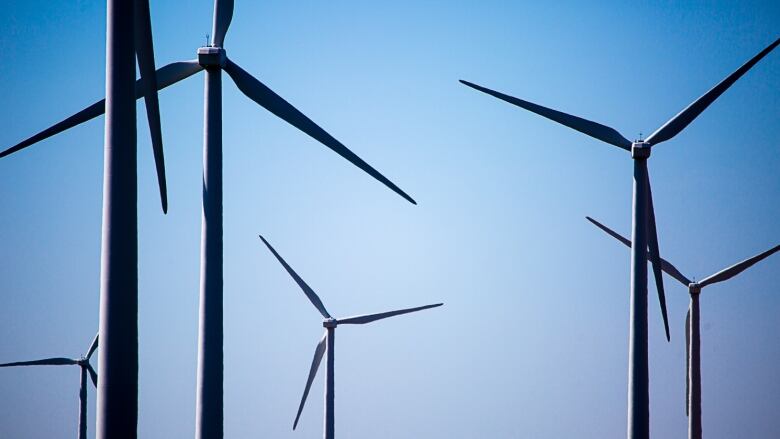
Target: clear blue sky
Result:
[533, 339]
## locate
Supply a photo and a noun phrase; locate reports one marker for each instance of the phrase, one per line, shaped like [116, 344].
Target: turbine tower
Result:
[692, 325]
[128, 35]
[86, 368]
[212, 59]
[327, 344]
[643, 230]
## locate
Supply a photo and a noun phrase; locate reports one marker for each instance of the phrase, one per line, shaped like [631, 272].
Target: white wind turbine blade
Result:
[667, 266]
[368, 318]
[313, 297]
[692, 111]
[588, 127]
[319, 351]
[735, 269]
[92, 347]
[268, 99]
[55, 361]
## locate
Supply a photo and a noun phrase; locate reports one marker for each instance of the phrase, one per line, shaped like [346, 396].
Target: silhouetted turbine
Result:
[327, 344]
[692, 325]
[83, 363]
[643, 221]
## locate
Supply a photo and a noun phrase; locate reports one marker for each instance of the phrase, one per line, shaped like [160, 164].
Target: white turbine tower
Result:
[643, 228]
[327, 344]
[86, 368]
[128, 37]
[692, 325]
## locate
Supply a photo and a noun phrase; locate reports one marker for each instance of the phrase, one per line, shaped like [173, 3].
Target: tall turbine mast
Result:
[643, 227]
[117, 396]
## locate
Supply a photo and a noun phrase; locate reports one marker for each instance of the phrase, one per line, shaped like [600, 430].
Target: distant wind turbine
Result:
[213, 59]
[83, 363]
[692, 325]
[643, 222]
[327, 344]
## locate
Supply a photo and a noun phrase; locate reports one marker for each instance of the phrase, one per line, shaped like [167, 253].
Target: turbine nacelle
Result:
[694, 288]
[330, 323]
[640, 150]
[211, 56]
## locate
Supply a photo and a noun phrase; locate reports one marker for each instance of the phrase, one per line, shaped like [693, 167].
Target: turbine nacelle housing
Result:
[694, 288]
[211, 56]
[330, 323]
[640, 150]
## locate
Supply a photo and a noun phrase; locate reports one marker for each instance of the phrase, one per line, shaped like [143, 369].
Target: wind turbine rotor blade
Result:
[167, 75]
[655, 257]
[56, 361]
[666, 266]
[319, 352]
[737, 268]
[223, 15]
[368, 318]
[92, 374]
[144, 48]
[268, 99]
[692, 111]
[313, 297]
[687, 361]
[92, 347]
[172, 73]
[593, 129]
[610, 232]
[671, 270]
[82, 116]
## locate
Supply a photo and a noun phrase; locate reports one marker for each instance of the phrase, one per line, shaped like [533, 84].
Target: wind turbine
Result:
[128, 35]
[692, 325]
[327, 343]
[643, 222]
[213, 59]
[83, 363]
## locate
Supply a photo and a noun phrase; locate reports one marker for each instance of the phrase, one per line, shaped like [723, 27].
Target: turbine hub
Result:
[640, 150]
[330, 323]
[694, 288]
[211, 56]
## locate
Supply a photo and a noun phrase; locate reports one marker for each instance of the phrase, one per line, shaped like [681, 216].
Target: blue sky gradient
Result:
[532, 341]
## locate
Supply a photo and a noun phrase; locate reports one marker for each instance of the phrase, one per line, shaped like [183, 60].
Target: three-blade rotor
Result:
[613, 137]
[321, 348]
[62, 361]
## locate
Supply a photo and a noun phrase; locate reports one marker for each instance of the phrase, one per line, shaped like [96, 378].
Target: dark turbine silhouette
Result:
[327, 344]
[692, 325]
[644, 233]
[86, 368]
